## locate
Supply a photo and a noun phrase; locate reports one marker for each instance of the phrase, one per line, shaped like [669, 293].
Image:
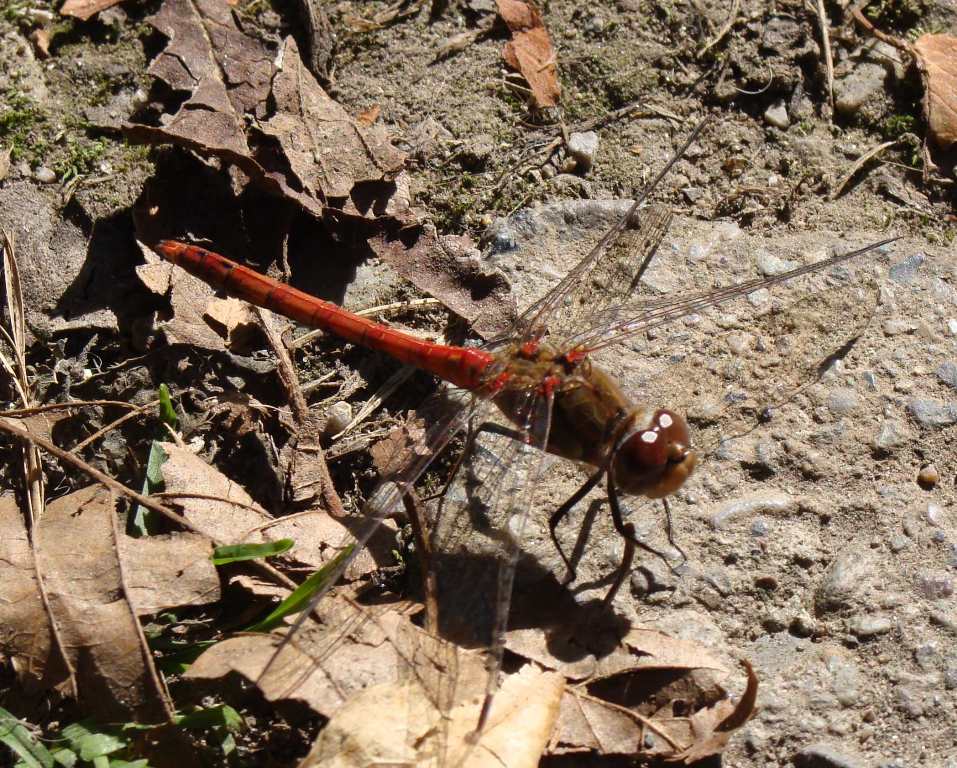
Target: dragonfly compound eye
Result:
[656, 461]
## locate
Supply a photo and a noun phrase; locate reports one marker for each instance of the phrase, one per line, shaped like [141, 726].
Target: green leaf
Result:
[231, 553]
[65, 757]
[223, 716]
[300, 598]
[167, 412]
[145, 522]
[18, 738]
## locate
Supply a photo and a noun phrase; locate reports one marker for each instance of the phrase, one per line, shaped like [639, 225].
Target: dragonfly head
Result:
[655, 460]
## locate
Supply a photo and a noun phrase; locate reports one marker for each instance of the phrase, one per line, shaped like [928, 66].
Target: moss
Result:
[21, 121]
[895, 14]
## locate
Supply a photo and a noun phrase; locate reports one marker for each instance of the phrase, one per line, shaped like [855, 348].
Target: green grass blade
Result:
[300, 598]
[31, 753]
[232, 553]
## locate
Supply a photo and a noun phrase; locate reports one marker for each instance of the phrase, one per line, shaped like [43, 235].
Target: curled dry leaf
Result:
[530, 51]
[66, 612]
[85, 9]
[937, 59]
[238, 95]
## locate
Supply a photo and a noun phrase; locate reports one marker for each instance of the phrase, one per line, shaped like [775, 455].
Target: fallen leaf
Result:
[230, 516]
[530, 51]
[73, 625]
[40, 38]
[84, 9]
[326, 149]
[367, 117]
[450, 268]
[937, 60]
[240, 91]
[168, 571]
[711, 727]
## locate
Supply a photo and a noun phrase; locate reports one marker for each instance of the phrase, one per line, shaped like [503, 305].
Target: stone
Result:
[769, 265]
[928, 477]
[935, 585]
[44, 175]
[890, 435]
[822, 755]
[777, 116]
[583, 146]
[933, 413]
[842, 401]
[905, 271]
[852, 91]
[843, 580]
[866, 627]
[947, 373]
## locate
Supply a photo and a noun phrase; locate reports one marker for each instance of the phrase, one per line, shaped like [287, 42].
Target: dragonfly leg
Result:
[627, 532]
[563, 510]
[670, 529]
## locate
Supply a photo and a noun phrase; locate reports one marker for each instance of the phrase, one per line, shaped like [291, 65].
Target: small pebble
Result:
[947, 373]
[891, 435]
[952, 326]
[905, 271]
[898, 543]
[777, 116]
[583, 146]
[842, 401]
[935, 585]
[759, 528]
[338, 417]
[871, 626]
[770, 265]
[898, 327]
[826, 756]
[802, 625]
[932, 413]
[44, 175]
[928, 477]
[934, 515]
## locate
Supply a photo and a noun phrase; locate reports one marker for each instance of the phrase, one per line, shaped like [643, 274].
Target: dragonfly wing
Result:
[608, 271]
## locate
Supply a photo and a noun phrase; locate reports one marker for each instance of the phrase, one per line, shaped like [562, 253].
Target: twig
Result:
[395, 381]
[826, 45]
[138, 411]
[858, 164]
[8, 426]
[16, 413]
[287, 371]
[725, 28]
[430, 587]
[864, 22]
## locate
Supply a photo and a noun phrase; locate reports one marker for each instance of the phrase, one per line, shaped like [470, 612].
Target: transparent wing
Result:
[612, 325]
[591, 277]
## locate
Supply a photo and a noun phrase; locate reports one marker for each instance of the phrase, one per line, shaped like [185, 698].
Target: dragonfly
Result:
[533, 392]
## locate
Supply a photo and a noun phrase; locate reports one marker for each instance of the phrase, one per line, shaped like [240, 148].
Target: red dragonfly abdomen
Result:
[461, 366]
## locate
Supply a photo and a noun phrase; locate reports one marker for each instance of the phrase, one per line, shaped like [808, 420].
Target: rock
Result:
[896, 327]
[823, 755]
[770, 265]
[583, 146]
[842, 401]
[905, 271]
[898, 543]
[777, 115]
[947, 373]
[44, 175]
[934, 514]
[853, 90]
[952, 326]
[338, 418]
[843, 580]
[866, 627]
[932, 413]
[928, 477]
[935, 585]
[779, 503]
[891, 435]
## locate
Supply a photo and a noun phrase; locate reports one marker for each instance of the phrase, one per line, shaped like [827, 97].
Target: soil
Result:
[815, 546]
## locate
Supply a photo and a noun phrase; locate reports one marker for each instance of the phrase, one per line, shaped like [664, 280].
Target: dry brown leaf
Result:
[530, 50]
[235, 87]
[327, 150]
[164, 572]
[74, 583]
[84, 9]
[238, 519]
[449, 268]
[937, 59]
[367, 117]
[26, 634]
[41, 41]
